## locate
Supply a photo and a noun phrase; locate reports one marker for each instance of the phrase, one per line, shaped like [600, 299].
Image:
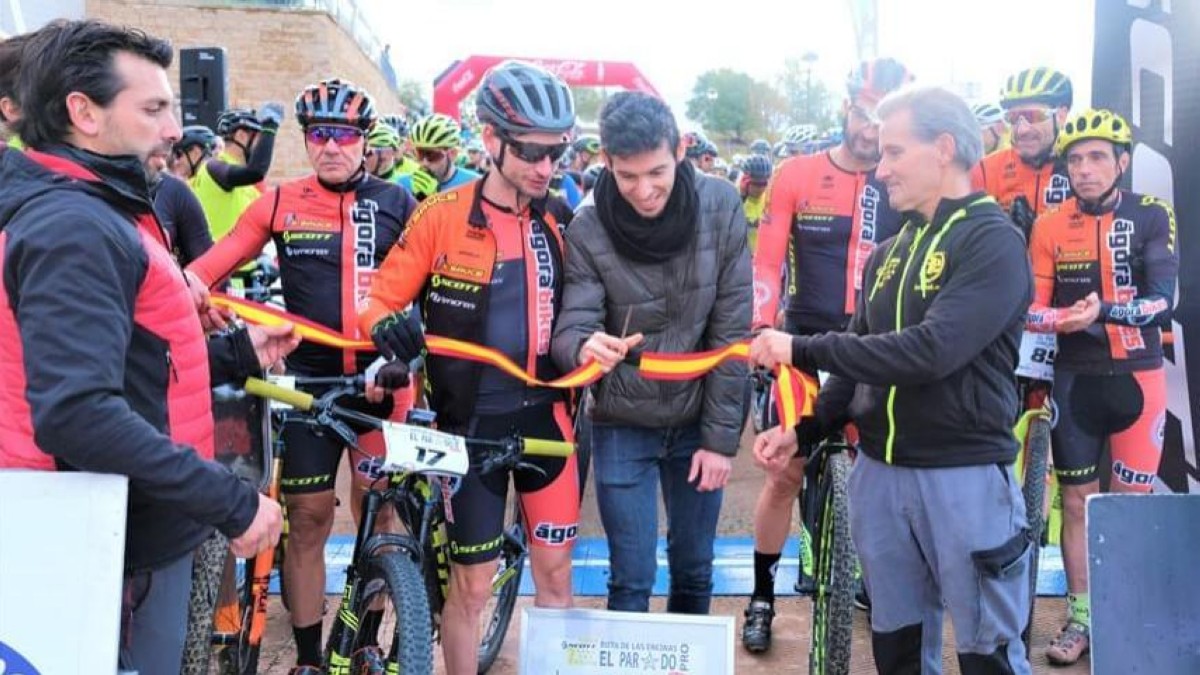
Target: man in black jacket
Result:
[658, 258]
[103, 364]
[926, 372]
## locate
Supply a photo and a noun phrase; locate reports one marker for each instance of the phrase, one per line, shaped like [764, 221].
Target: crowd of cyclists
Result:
[456, 228]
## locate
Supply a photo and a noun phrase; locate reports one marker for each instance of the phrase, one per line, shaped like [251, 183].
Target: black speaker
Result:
[203, 88]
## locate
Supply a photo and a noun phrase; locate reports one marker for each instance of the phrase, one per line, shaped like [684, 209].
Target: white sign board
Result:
[62, 549]
[597, 642]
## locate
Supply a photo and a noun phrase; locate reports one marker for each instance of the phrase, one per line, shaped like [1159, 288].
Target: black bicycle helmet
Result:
[519, 98]
[335, 102]
[758, 168]
[397, 122]
[761, 147]
[237, 118]
[694, 144]
[196, 134]
[589, 143]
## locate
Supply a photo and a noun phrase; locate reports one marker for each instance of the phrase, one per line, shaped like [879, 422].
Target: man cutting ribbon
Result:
[669, 243]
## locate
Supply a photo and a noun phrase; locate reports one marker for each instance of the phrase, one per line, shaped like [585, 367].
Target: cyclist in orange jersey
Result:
[825, 213]
[1105, 267]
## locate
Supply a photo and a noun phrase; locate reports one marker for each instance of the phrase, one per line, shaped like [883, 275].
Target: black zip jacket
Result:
[933, 344]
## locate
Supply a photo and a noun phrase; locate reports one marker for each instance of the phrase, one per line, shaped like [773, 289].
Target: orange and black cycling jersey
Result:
[1127, 256]
[330, 244]
[484, 274]
[1005, 177]
[825, 221]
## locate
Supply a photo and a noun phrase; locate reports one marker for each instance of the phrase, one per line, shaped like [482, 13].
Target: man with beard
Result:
[1026, 178]
[485, 262]
[106, 367]
[660, 254]
[826, 212]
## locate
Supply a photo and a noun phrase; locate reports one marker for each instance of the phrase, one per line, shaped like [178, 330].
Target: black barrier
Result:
[1144, 67]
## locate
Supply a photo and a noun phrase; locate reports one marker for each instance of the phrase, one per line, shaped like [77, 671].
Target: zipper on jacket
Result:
[171, 367]
[912, 253]
[891, 399]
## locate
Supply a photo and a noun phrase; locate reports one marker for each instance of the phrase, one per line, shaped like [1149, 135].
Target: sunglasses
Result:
[535, 152]
[1031, 116]
[431, 155]
[342, 136]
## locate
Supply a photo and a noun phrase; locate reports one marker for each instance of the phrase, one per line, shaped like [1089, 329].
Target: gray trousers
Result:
[916, 531]
[154, 614]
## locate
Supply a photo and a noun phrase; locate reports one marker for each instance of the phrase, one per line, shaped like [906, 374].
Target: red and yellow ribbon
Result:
[795, 395]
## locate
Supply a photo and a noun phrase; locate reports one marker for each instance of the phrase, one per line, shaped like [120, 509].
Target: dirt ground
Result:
[791, 629]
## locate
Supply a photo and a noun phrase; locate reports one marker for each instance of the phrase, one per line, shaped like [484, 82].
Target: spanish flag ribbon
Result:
[460, 349]
[796, 391]
[689, 366]
[266, 315]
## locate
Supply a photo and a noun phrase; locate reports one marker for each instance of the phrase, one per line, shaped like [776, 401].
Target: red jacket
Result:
[103, 360]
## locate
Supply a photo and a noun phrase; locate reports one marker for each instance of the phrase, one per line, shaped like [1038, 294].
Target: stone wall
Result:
[271, 54]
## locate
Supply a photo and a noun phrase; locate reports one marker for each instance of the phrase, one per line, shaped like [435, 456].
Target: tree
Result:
[808, 101]
[734, 105]
[412, 94]
[588, 101]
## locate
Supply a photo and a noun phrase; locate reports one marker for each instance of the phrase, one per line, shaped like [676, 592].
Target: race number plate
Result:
[422, 450]
[1037, 356]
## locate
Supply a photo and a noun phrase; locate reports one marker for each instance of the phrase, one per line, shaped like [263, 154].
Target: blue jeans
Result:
[627, 463]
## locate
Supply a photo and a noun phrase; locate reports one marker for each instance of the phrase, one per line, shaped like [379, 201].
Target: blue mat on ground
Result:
[733, 568]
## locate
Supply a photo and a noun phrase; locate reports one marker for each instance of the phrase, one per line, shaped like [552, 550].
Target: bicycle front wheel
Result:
[833, 599]
[506, 585]
[1033, 489]
[392, 616]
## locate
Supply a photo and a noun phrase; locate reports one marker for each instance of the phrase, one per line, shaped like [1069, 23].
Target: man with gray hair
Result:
[926, 373]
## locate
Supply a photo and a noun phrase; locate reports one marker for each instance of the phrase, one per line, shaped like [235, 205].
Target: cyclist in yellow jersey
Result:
[754, 193]
[436, 139]
[226, 184]
[405, 163]
[383, 147]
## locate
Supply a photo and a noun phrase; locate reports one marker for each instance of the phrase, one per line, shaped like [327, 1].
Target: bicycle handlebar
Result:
[306, 402]
[297, 399]
[546, 448]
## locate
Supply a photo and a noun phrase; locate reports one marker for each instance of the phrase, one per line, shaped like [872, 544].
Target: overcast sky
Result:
[672, 43]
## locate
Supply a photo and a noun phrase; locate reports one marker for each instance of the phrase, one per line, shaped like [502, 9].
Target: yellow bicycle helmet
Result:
[1095, 123]
[1037, 85]
[435, 131]
[383, 136]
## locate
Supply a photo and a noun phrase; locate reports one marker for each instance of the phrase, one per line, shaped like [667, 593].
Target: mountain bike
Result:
[242, 444]
[396, 582]
[827, 552]
[1033, 433]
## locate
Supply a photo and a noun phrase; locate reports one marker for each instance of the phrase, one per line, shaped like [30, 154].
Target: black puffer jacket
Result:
[696, 301]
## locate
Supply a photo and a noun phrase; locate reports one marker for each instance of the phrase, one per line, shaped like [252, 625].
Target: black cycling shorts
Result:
[1128, 410]
[475, 514]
